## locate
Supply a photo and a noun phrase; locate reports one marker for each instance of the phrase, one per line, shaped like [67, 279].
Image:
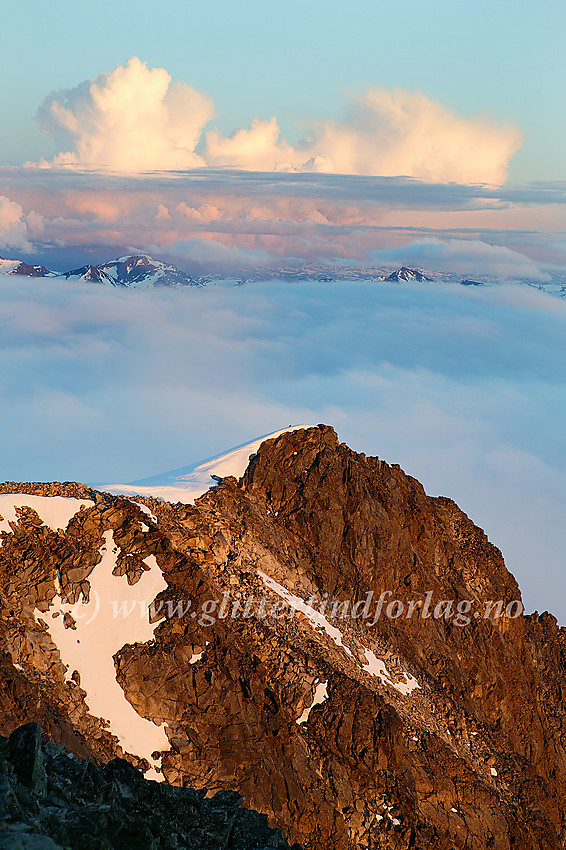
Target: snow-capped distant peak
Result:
[8, 265]
[189, 482]
[142, 270]
[407, 274]
[90, 274]
[27, 270]
[24, 269]
[136, 270]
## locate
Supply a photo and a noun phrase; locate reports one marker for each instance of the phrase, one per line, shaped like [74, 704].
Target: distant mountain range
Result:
[142, 271]
[132, 271]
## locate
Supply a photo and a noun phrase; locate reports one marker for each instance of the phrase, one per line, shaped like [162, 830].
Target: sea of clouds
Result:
[463, 388]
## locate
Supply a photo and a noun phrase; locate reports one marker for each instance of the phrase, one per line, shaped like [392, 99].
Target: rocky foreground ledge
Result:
[51, 800]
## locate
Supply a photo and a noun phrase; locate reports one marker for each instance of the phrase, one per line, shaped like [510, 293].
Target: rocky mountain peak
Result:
[142, 270]
[407, 274]
[319, 634]
[89, 273]
[31, 271]
[129, 271]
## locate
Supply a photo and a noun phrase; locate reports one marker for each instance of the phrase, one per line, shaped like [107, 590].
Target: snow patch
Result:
[315, 618]
[99, 635]
[7, 265]
[320, 695]
[196, 656]
[189, 482]
[55, 511]
[376, 667]
[146, 510]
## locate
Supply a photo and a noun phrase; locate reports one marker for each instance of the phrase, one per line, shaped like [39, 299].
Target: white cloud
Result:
[133, 119]
[386, 132]
[212, 253]
[394, 131]
[16, 227]
[261, 149]
[256, 149]
[463, 256]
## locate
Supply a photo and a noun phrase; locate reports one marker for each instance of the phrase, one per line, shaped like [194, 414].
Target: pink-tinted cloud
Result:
[135, 119]
[256, 149]
[393, 131]
[385, 132]
[17, 228]
[283, 216]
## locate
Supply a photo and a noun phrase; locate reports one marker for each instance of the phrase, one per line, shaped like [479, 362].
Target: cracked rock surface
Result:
[458, 745]
[50, 800]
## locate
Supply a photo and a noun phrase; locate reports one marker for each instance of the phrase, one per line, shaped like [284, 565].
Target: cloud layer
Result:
[134, 119]
[463, 256]
[219, 220]
[141, 169]
[464, 389]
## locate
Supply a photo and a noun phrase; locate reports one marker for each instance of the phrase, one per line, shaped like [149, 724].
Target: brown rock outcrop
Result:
[471, 758]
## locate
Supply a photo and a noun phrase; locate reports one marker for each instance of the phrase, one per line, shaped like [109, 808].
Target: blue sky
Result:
[300, 61]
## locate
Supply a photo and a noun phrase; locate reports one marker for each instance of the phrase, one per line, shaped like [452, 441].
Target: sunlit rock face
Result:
[243, 633]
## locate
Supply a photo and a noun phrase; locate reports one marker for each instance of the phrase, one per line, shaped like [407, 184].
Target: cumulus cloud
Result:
[135, 119]
[463, 256]
[261, 149]
[17, 229]
[394, 131]
[256, 149]
[130, 120]
[385, 132]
